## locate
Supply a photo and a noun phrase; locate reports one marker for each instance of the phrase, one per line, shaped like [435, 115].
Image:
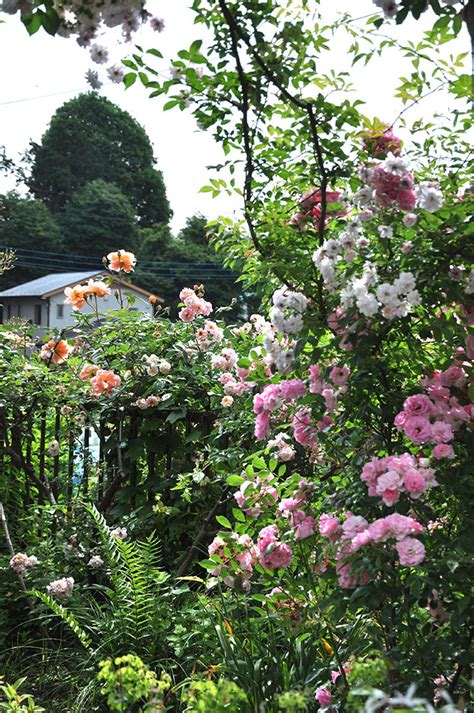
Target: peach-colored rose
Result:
[106, 381]
[54, 351]
[88, 371]
[97, 287]
[121, 260]
[75, 296]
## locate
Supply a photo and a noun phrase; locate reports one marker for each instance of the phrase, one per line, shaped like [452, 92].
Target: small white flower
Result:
[116, 74]
[430, 198]
[157, 24]
[99, 54]
[53, 449]
[385, 231]
[95, 562]
[395, 164]
[409, 219]
[120, 533]
[368, 305]
[387, 294]
[227, 401]
[61, 588]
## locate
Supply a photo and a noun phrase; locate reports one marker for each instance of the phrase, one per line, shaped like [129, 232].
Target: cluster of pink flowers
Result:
[393, 184]
[20, 562]
[355, 533]
[272, 552]
[61, 588]
[435, 416]
[311, 210]
[390, 476]
[101, 380]
[284, 451]
[225, 361]
[238, 549]
[301, 524]
[277, 398]
[194, 304]
[211, 332]
[148, 402]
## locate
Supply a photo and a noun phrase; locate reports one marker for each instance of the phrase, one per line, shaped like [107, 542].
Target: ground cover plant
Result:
[270, 515]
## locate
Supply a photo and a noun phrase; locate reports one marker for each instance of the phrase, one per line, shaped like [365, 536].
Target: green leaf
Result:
[222, 520]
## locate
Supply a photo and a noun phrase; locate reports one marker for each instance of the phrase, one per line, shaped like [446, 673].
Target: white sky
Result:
[41, 72]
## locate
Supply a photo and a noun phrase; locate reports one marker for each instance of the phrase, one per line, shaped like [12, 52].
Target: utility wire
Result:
[198, 275]
[87, 258]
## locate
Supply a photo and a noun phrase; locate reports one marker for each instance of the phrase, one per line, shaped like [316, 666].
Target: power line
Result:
[198, 275]
[88, 259]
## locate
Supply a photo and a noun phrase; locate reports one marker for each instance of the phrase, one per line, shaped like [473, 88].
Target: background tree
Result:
[188, 259]
[88, 138]
[100, 217]
[27, 224]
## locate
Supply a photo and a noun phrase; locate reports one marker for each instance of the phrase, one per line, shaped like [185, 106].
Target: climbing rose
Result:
[61, 588]
[106, 381]
[121, 261]
[411, 551]
[55, 351]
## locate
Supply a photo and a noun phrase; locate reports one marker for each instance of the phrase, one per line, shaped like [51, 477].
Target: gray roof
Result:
[48, 283]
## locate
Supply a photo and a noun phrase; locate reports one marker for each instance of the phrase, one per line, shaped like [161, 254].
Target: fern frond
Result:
[67, 617]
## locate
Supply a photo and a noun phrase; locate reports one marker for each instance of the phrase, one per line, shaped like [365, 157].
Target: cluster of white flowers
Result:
[155, 365]
[61, 588]
[95, 562]
[120, 533]
[280, 351]
[86, 19]
[393, 300]
[20, 562]
[335, 249]
[389, 7]
[287, 311]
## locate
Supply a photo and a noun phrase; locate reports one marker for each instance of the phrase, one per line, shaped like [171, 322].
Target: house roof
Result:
[55, 283]
[48, 283]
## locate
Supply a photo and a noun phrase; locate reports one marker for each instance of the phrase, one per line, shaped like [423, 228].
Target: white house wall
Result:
[109, 302]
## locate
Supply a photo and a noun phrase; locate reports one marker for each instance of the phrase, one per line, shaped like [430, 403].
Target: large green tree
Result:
[98, 219]
[27, 226]
[88, 138]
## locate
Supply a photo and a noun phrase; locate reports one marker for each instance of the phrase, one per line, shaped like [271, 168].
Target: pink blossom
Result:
[339, 374]
[418, 429]
[292, 389]
[441, 432]
[410, 551]
[443, 450]
[105, 381]
[323, 696]
[353, 524]
[402, 525]
[186, 314]
[273, 554]
[262, 426]
[305, 528]
[418, 405]
[414, 483]
[329, 526]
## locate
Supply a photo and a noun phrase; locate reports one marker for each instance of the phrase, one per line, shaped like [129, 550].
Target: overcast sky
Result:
[40, 73]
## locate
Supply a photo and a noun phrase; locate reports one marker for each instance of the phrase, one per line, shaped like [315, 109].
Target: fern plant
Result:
[126, 615]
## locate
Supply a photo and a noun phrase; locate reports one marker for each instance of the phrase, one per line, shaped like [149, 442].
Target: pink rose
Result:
[441, 432]
[418, 429]
[410, 551]
[443, 450]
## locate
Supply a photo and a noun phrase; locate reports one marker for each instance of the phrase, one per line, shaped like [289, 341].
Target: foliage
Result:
[90, 138]
[315, 459]
[26, 223]
[215, 697]
[15, 701]
[128, 681]
[98, 214]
